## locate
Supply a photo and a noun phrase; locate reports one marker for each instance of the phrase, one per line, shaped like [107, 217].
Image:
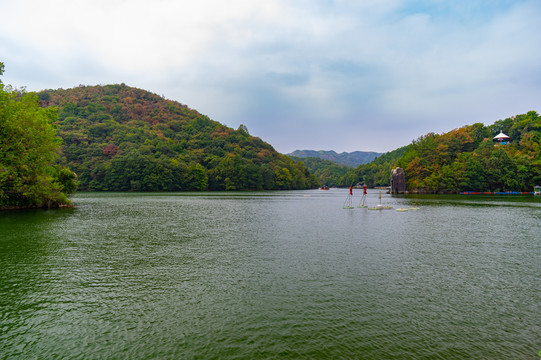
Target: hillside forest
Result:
[120, 138]
[465, 159]
[327, 172]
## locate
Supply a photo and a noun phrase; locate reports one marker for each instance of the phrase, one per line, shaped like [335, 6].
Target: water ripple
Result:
[271, 275]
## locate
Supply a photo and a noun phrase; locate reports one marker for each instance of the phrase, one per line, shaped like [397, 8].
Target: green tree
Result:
[453, 177]
[283, 178]
[28, 148]
[501, 171]
[475, 176]
[197, 178]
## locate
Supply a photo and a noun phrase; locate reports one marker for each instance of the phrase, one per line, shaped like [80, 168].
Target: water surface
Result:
[272, 275]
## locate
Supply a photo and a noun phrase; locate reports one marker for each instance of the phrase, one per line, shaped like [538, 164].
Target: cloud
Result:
[296, 73]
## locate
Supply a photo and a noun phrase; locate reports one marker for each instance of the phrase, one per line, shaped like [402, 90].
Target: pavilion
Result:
[501, 139]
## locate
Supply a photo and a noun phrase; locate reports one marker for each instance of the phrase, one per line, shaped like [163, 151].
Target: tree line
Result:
[119, 138]
[327, 172]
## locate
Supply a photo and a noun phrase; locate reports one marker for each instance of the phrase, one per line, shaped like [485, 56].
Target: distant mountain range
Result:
[353, 159]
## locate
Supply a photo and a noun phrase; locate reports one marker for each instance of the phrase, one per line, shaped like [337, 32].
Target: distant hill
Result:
[353, 159]
[120, 138]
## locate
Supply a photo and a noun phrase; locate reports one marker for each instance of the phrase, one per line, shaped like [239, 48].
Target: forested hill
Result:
[327, 172]
[119, 138]
[354, 159]
[466, 159]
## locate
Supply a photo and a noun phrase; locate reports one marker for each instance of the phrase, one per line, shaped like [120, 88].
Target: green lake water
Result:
[272, 275]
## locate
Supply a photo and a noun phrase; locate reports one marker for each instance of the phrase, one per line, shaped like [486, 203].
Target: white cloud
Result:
[371, 64]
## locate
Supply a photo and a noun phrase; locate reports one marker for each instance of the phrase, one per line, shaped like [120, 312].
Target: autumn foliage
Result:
[466, 159]
[119, 138]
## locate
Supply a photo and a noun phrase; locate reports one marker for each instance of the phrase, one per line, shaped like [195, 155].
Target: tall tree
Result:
[28, 147]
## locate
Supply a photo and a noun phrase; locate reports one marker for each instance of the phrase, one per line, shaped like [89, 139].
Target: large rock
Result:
[398, 181]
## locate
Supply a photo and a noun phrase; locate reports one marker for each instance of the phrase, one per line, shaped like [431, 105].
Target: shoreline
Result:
[27, 207]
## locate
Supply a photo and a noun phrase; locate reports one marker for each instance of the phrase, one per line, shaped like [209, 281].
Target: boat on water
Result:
[537, 190]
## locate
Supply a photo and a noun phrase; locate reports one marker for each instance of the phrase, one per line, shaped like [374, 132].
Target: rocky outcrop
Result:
[398, 181]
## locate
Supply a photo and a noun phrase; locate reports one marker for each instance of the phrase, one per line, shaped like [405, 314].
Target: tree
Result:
[501, 171]
[28, 147]
[243, 128]
[197, 178]
[475, 175]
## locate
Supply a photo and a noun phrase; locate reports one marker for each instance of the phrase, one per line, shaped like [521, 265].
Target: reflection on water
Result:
[272, 275]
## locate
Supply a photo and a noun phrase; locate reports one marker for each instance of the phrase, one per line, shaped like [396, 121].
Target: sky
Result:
[344, 75]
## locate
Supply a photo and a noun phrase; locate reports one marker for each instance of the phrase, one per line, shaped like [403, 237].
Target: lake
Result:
[272, 275]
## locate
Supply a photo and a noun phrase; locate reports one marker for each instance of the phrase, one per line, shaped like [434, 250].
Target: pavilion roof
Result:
[501, 135]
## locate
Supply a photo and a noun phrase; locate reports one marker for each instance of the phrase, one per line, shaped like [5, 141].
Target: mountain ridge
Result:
[352, 159]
